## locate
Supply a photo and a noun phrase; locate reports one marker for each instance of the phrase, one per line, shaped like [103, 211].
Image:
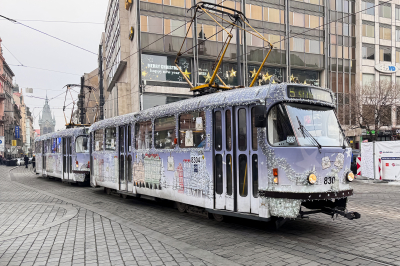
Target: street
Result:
[47, 222]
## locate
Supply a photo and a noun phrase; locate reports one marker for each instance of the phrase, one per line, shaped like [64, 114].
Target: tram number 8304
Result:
[329, 180]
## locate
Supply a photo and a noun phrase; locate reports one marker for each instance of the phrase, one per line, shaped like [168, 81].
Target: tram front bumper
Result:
[331, 203]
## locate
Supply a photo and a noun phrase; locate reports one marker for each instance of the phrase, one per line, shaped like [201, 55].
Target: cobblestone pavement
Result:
[47, 222]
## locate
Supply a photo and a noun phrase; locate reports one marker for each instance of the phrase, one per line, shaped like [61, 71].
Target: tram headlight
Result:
[275, 172]
[312, 179]
[350, 176]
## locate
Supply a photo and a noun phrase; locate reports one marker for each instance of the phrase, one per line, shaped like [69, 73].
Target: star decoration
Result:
[208, 77]
[273, 81]
[185, 65]
[291, 78]
[187, 74]
[180, 79]
[144, 73]
[253, 73]
[305, 82]
[232, 73]
[266, 76]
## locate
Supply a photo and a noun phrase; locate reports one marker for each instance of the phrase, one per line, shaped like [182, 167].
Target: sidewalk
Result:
[37, 228]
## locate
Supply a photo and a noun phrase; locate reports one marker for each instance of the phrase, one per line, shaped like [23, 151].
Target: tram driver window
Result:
[143, 135]
[81, 144]
[279, 127]
[192, 130]
[164, 132]
[98, 140]
[111, 138]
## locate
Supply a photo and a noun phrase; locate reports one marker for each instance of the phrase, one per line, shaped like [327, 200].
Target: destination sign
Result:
[308, 93]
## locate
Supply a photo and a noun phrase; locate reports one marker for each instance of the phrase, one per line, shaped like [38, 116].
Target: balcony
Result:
[2, 96]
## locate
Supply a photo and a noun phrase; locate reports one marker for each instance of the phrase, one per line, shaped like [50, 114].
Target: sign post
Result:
[2, 147]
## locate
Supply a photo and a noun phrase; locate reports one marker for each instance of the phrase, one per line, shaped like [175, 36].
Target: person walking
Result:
[33, 162]
[26, 160]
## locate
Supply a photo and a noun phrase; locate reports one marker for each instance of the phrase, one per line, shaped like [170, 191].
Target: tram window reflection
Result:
[243, 178]
[229, 174]
[129, 138]
[98, 140]
[279, 127]
[228, 129]
[192, 130]
[254, 171]
[164, 132]
[58, 145]
[242, 130]
[253, 131]
[111, 136]
[143, 135]
[319, 121]
[218, 131]
[218, 174]
[81, 144]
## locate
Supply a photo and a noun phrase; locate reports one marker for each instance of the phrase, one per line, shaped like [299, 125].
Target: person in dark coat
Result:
[26, 160]
[33, 162]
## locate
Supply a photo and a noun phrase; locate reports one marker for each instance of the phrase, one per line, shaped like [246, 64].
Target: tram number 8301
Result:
[329, 180]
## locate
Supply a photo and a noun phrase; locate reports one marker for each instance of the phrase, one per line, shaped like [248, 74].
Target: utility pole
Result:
[101, 81]
[239, 64]
[81, 98]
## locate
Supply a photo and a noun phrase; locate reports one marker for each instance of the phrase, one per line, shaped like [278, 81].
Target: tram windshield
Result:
[81, 144]
[309, 124]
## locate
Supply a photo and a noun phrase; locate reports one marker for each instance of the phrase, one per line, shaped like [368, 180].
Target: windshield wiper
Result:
[306, 133]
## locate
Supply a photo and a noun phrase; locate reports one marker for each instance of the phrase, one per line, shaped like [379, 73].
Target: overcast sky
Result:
[34, 49]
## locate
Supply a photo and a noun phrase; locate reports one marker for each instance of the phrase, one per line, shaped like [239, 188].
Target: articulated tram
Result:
[270, 151]
[64, 154]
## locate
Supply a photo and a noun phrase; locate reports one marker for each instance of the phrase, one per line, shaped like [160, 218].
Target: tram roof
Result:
[244, 96]
[63, 133]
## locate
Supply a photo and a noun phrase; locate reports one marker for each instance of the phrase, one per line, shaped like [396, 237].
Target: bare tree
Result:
[371, 106]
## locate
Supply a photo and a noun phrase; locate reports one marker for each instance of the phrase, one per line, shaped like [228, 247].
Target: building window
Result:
[397, 12]
[152, 100]
[368, 52]
[385, 33]
[385, 54]
[397, 35]
[368, 79]
[385, 79]
[297, 45]
[368, 30]
[368, 8]
[397, 57]
[385, 11]
[298, 19]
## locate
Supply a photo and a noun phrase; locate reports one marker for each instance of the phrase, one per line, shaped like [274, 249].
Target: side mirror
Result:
[260, 116]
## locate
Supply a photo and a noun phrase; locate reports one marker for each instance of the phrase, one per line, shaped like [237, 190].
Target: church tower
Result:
[47, 122]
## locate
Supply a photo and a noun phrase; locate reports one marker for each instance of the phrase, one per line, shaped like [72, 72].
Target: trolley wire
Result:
[38, 68]
[12, 55]
[59, 21]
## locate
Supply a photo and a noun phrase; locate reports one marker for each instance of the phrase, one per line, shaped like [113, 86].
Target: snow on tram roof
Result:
[64, 133]
[243, 96]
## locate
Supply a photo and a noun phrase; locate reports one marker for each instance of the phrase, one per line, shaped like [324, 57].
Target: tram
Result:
[261, 152]
[64, 154]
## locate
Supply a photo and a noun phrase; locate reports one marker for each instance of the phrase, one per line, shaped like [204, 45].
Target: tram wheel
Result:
[124, 196]
[182, 207]
[218, 217]
[108, 191]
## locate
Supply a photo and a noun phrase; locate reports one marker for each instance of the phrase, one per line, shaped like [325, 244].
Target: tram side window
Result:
[164, 132]
[98, 140]
[111, 137]
[81, 144]
[228, 129]
[279, 128]
[242, 129]
[54, 146]
[192, 130]
[143, 135]
[218, 131]
[58, 145]
[129, 138]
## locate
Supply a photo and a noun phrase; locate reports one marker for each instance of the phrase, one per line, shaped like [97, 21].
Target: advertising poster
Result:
[391, 167]
[2, 146]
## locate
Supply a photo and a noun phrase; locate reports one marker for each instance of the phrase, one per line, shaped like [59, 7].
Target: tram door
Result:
[67, 159]
[43, 156]
[223, 163]
[246, 160]
[125, 158]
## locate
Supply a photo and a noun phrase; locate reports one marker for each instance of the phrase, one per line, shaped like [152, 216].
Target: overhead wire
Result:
[12, 54]
[59, 21]
[42, 32]
[45, 69]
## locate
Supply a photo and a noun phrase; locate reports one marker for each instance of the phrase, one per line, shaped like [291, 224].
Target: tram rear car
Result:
[255, 153]
[64, 154]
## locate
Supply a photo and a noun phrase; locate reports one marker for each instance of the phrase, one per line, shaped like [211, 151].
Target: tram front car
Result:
[308, 158]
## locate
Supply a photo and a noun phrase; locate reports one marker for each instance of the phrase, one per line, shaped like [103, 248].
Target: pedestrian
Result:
[26, 159]
[33, 162]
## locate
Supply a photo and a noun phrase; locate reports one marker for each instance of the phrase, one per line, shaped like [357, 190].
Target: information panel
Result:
[308, 93]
